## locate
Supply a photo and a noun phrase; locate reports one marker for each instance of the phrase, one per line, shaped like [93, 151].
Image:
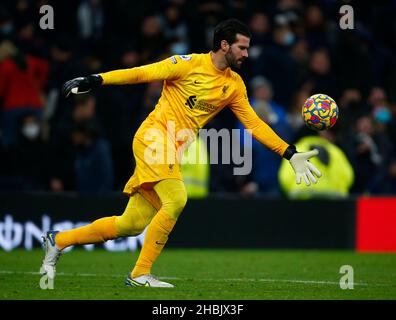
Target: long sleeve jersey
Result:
[194, 91]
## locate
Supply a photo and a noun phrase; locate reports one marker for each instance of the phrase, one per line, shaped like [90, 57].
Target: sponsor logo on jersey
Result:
[190, 102]
[185, 57]
[204, 106]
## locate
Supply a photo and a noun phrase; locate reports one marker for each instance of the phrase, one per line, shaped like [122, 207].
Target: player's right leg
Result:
[135, 218]
[173, 197]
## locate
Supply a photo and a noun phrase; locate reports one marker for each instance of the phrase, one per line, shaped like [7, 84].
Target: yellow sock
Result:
[155, 239]
[98, 231]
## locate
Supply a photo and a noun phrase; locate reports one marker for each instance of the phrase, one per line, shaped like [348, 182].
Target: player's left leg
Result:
[136, 217]
[54, 241]
[173, 196]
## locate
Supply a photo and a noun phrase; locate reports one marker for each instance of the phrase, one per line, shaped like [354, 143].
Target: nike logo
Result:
[51, 238]
[160, 243]
[138, 284]
[196, 82]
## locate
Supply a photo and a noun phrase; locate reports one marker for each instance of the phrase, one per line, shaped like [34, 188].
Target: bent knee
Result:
[175, 205]
[126, 227]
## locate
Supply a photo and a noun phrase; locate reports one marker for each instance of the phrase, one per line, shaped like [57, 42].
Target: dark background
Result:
[296, 45]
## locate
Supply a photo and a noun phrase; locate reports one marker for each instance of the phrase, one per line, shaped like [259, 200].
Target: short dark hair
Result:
[227, 30]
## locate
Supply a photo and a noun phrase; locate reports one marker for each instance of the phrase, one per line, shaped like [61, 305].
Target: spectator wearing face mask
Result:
[382, 120]
[276, 63]
[22, 81]
[28, 157]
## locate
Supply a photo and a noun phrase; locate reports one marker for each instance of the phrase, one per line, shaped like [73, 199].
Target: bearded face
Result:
[233, 60]
[237, 52]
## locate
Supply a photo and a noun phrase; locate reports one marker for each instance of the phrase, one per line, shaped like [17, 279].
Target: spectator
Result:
[29, 156]
[64, 65]
[90, 18]
[316, 31]
[377, 98]
[204, 15]
[23, 78]
[29, 42]
[351, 62]
[321, 79]
[261, 31]
[263, 178]
[296, 45]
[84, 110]
[300, 55]
[351, 107]
[367, 152]
[151, 41]
[294, 115]
[6, 24]
[382, 117]
[119, 110]
[92, 164]
[277, 64]
[337, 172]
[175, 30]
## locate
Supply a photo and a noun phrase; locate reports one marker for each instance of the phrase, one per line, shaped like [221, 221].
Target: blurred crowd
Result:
[83, 143]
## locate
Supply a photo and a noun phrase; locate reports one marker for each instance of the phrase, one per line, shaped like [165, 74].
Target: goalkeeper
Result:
[195, 88]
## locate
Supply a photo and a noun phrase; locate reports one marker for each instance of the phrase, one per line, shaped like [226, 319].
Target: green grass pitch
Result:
[203, 274]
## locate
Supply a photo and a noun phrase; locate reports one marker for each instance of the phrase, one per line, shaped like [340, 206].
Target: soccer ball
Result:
[320, 112]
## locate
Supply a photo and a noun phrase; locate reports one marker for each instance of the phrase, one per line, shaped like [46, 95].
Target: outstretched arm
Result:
[169, 69]
[163, 70]
[259, 129]
[264, 134]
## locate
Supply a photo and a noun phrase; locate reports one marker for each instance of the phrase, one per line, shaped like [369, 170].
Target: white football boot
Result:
[147, 280]
[52, 254]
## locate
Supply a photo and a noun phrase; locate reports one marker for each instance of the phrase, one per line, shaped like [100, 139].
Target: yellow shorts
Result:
[151, 167]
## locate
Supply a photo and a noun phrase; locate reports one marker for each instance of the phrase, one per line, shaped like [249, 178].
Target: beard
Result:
[232, 61]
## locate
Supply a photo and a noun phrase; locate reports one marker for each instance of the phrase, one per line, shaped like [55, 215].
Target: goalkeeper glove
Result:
[82, 84]
[301, 165]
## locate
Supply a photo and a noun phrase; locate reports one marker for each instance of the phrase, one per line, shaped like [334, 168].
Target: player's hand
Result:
[303, 168]
[81, 84]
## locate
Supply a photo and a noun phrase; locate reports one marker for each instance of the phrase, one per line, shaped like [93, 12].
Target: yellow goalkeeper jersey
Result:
[193, 92]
